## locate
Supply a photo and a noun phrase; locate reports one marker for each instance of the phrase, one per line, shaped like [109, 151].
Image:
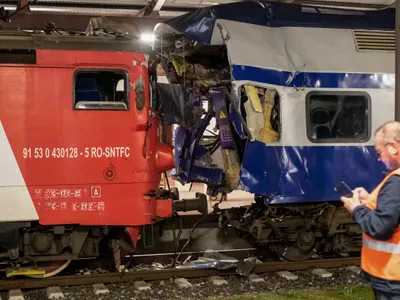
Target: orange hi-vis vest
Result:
[381, 258]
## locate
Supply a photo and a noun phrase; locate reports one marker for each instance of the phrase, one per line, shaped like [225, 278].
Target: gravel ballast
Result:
[203, 288]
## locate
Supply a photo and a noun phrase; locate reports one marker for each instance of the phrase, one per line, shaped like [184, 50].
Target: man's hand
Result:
[363, 195]
[351, 203]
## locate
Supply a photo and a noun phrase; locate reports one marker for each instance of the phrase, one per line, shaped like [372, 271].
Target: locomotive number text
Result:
[74, 152]
[71, 152]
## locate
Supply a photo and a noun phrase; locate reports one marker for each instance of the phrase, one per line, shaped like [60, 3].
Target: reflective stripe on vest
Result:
[381, 258]
[381, 246]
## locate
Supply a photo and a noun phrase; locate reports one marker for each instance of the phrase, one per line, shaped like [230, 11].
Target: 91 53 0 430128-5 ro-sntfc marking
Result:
[75, 152]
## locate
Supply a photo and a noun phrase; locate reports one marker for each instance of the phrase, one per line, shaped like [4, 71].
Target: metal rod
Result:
[190, 252]
[397, 65]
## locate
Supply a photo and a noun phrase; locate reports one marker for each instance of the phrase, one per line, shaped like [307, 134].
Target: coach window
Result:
[338, 117]
[101, 90]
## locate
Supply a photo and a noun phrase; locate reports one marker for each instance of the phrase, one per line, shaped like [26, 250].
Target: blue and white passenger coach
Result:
[280, 100]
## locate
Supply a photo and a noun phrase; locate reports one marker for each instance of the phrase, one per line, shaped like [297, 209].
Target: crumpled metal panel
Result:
[199, 24]
[188, 154]
[235, 119]
[236, 123]
[307, 173]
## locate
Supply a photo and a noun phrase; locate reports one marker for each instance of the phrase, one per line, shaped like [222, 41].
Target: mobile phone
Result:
[344, 190]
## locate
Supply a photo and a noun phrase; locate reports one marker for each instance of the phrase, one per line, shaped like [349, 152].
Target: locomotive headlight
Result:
[147, 37]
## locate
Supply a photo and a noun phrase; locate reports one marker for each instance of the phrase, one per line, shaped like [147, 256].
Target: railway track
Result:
[150, 275]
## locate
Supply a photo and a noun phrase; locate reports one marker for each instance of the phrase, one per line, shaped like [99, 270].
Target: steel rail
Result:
[149, 275]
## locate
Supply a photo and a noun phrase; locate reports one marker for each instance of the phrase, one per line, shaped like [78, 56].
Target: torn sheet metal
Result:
[235, 120]
[254, 112]
[192, 162]
[307, 173]
[212, 260]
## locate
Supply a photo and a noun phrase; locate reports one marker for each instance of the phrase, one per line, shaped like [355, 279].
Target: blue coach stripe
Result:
[313, 80]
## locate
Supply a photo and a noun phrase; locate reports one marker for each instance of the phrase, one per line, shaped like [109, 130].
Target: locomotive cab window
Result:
[338, 117]
[101, 90]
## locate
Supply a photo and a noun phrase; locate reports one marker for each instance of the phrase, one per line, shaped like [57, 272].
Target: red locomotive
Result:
[81, 156]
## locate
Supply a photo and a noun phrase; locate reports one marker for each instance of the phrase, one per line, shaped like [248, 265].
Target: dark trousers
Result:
[379, 295]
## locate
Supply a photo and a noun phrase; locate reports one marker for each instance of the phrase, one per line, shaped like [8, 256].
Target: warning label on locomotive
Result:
[74, 207]
[74, 152]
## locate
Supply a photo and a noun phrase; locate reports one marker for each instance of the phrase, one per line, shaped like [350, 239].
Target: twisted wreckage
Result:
[279, 100]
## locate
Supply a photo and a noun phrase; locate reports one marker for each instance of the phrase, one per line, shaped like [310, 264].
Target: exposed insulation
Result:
[268, 134]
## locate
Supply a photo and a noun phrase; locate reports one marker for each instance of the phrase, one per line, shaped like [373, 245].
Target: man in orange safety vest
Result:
[378, 215]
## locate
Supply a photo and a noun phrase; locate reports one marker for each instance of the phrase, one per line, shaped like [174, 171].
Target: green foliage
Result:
[339, 293]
